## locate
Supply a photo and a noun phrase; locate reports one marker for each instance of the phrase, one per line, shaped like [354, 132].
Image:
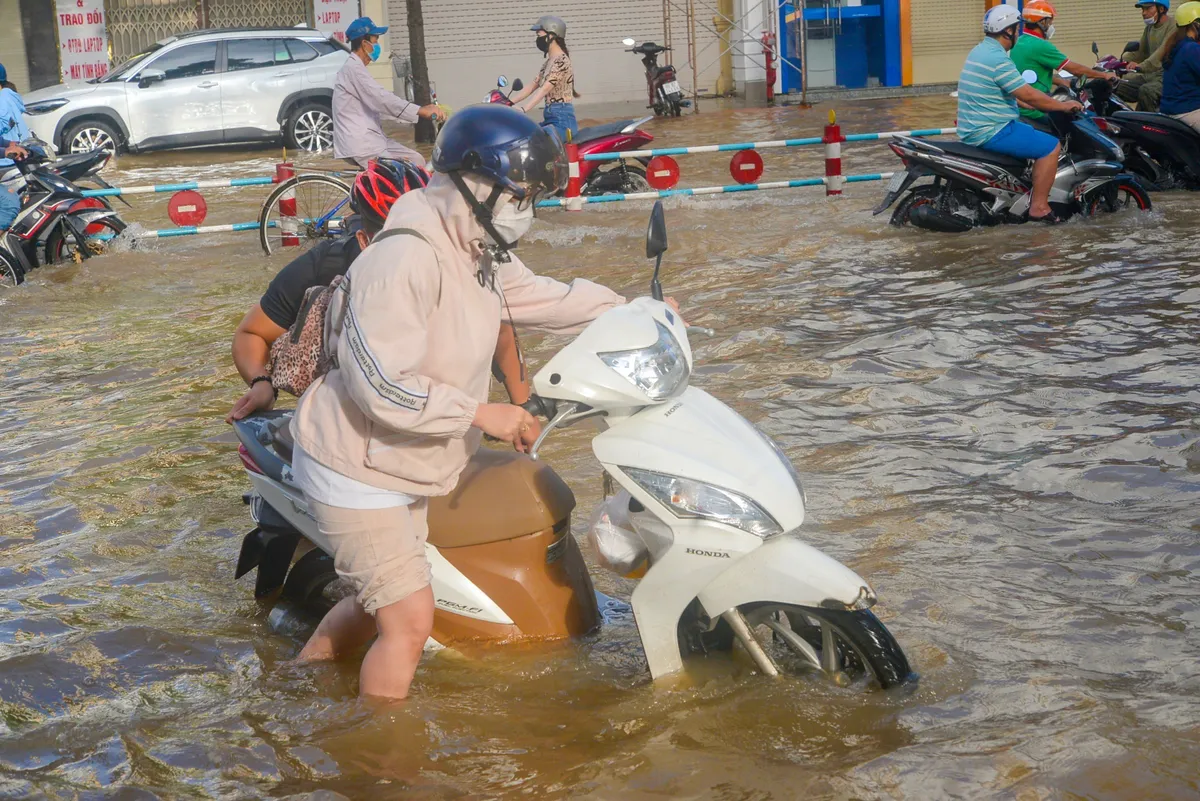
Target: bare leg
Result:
[1044, 170]
[389, 667]
[344, 629]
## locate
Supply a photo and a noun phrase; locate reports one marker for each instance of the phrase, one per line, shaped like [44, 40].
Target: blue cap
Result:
[363, 26]
[3, 73]
[1164, 3]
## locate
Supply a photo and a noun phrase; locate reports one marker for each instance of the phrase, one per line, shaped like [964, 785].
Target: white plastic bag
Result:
[612, 537]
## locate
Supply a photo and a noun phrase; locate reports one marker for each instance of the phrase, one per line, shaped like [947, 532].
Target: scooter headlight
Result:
[660, 370]
[695, 499]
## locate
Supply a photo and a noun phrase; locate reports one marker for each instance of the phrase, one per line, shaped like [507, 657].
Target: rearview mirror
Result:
[1131, 47]
[656, 245]
[656, 232]
[1095, 50]
[149, 77]
[628, 42]
[502, 82]
[518, 85]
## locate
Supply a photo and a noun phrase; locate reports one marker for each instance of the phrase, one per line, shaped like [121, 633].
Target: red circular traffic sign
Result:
[746, 166]
[187, 208]
[662, 172]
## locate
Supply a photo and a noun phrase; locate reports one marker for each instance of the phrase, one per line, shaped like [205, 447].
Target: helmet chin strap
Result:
[484, 214]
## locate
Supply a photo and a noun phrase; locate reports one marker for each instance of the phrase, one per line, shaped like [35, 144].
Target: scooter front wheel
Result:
[1124, 194]
[850, 647]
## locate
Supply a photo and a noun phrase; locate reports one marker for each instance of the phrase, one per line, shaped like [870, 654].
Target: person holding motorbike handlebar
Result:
[10, 202]
[399, 416]
[360, 103]
[555, 83]
[988, 91]
[1181, 79]
[374, 192]
[1033, 51]
[1145, 88]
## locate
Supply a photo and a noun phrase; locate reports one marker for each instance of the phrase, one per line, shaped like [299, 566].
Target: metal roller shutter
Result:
[12, 45]
[943, 33]
[468, 43]
[1109, 23]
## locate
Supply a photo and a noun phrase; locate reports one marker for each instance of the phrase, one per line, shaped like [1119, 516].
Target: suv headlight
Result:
[659, 370]
[45, 106]
[695, 499]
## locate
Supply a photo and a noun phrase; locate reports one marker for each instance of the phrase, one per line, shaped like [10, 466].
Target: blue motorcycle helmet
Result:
[506, 149]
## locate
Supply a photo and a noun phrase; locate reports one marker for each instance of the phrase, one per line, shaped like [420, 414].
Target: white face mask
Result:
[512, 224]
[1150, 21]
[1050, 32]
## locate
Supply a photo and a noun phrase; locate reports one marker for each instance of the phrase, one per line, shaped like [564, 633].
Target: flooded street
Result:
[997, 429]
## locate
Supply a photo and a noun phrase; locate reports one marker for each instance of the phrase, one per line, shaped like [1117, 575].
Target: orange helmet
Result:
[1038, 10]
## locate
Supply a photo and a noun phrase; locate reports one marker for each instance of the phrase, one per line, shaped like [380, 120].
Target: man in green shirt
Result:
[1145, 88]
[1034, 53]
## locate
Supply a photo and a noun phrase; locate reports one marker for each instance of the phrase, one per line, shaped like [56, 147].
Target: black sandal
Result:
[1048, 219]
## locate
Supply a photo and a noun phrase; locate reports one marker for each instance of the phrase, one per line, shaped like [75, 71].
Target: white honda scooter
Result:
[710, 507]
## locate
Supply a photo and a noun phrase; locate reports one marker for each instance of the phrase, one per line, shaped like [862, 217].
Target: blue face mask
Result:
[375, 51]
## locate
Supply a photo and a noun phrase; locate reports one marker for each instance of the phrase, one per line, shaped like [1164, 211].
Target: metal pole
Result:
[667, 23]
[803, 56]
[691, 7]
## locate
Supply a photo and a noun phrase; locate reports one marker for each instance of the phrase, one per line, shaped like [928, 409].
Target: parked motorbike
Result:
[976, 187]
[713, 502]
[599, 177]
[54, 215]
[662, 85]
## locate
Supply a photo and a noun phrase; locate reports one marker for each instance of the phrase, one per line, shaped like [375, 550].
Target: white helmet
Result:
[1000, 19]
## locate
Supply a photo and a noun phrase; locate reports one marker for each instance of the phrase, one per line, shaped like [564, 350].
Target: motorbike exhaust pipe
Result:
[932, 219]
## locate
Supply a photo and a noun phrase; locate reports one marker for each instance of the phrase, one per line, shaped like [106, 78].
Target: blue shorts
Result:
[1022, 141]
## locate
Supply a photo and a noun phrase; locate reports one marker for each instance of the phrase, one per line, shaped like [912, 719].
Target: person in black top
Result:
[374, 192]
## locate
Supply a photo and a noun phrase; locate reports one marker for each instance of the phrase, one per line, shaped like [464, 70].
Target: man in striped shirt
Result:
[988, 91]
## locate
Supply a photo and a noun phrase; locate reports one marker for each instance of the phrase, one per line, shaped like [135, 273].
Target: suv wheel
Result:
[89, 135]
[310, 127]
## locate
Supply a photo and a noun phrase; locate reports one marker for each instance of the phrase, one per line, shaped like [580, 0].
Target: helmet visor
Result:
[537, 168]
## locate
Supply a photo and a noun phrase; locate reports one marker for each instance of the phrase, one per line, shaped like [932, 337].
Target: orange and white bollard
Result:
[833, 156]
[574, 201]
[285, 171]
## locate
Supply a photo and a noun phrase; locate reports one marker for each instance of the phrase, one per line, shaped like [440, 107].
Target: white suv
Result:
[213, 87]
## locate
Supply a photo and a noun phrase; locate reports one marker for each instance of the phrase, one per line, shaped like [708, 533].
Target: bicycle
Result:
[302, 211]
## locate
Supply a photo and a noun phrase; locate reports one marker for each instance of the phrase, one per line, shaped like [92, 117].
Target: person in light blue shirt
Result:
[988, 115]
[12, 121]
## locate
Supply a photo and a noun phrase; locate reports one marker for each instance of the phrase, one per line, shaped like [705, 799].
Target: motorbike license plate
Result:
[896, 182]
[671, 88]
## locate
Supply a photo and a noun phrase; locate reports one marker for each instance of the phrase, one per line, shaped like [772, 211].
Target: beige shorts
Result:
[379, 551]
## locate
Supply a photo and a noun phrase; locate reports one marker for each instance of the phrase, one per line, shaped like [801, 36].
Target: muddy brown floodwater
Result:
[997, 429]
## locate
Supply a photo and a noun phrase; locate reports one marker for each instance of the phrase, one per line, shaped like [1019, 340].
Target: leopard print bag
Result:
[298, 358]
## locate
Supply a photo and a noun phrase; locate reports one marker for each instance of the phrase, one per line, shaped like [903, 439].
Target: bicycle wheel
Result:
[301, 212]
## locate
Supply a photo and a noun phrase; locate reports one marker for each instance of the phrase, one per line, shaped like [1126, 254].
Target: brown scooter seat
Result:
[501, 495]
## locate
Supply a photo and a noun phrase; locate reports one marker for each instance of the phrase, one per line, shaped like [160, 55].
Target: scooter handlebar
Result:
[544, 407]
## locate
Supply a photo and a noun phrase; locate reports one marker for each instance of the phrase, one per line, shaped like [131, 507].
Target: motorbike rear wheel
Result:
[61, 247]
[927, 195]
[622, 179]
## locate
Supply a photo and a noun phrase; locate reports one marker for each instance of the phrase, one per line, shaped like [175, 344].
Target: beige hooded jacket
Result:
[416, 342]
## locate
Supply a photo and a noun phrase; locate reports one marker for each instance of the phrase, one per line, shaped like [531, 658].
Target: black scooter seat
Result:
[599, 131]
[1163, 121]
[986, 156]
